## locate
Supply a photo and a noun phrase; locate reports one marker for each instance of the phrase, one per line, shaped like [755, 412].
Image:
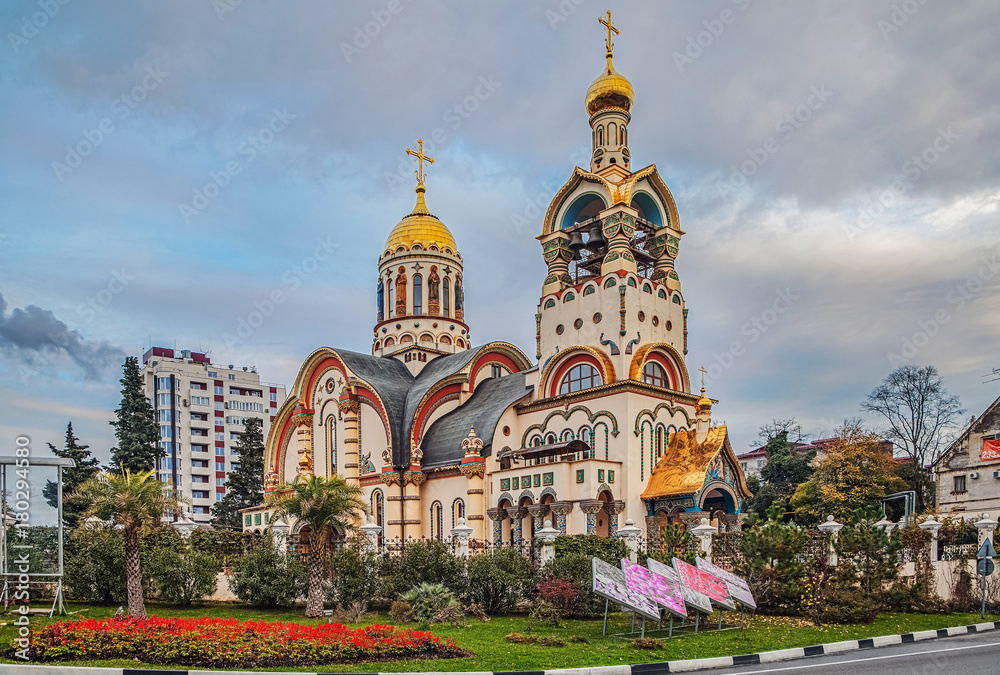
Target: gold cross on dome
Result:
[611, 29]
[420, 156]
[703, 371]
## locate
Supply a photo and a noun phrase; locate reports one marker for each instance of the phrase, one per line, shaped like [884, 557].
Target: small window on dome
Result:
[569, 296]
[646, 288]
[631, 282]
[588, 290]
[677, 300]
[550, 303]
[609, 283]
[661, 294]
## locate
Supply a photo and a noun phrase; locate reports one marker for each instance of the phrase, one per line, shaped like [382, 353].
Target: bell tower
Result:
[609, 239]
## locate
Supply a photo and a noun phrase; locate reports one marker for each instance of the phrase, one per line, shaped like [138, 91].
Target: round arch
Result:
[553, 373]
[584, 206]
[667, 357]
[647, 207]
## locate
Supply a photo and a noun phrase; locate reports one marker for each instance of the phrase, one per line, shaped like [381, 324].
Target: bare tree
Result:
[919, 411]
[771, 430]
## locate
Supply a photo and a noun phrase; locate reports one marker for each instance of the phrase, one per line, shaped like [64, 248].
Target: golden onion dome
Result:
[610, 90]
[704, 403]
[420, 227]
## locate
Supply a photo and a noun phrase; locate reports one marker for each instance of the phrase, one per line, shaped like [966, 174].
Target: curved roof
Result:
[420, 226]
[442, 443]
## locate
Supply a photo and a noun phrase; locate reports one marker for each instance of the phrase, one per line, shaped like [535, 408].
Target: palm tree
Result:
[129, 501]
[322, 504]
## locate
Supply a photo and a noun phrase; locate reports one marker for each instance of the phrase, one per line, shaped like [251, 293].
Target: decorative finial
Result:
[420, 157]
[703, 371]
[611, 29]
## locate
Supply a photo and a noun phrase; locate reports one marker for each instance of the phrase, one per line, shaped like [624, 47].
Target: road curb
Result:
[657, 668]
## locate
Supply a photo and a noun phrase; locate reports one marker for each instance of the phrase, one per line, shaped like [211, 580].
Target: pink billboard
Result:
[665, 592]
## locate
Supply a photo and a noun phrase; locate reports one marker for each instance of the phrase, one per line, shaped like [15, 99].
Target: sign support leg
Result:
[671, 633]
[605, 631]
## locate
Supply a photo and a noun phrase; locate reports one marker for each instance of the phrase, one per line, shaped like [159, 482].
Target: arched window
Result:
[331, 439]
[437, 520]
[676, 300]
[536, 441]
[388, 300]
[550, 439]
[457, 511]
[646, 288]
[624, 135]
[600, 136]
[653, 373]
[446, 296]
[418, 300]
[610, 282]
[581, 376]
[661, 294]
[659, 442]
[631, 282]
[612, 134]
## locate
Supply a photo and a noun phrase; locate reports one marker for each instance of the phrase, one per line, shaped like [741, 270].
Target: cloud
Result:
[35, 336]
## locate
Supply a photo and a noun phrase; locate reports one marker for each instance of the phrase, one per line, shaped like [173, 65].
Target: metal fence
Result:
[726, 549]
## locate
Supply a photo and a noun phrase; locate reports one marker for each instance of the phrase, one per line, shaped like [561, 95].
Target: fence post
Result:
[280, 529]
[461, 534]
[932, 526]
[630, 533]
[831, 527]
[704, 532]
[547, 537]
[371, 532]
[885, 525]
[986, 526]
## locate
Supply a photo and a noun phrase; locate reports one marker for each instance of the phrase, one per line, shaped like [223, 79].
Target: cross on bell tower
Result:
[611, 29]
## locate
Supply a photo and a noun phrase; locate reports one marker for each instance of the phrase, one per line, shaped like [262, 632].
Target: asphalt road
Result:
[976, 654]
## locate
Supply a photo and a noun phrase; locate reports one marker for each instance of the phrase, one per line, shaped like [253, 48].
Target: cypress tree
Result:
[86, 466]
[135, 427]
[245, 484]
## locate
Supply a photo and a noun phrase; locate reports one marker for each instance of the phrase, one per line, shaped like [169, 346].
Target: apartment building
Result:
[201, 409]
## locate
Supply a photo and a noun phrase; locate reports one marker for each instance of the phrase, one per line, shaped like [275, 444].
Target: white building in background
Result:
[201, 409]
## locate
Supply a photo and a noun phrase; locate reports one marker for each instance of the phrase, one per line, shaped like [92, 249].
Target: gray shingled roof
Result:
[401, 392]
[442, 443]
[391, 381]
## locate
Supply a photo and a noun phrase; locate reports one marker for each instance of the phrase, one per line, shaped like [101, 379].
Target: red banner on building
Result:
[991, 450]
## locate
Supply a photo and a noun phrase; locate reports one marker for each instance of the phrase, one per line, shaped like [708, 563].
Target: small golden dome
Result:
[420, 227]
[704, 403]
[610, 90]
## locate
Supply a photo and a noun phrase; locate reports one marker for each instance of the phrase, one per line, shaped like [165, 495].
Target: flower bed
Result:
[231, 643]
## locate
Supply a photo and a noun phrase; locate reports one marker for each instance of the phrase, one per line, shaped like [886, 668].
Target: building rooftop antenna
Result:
[994, 376]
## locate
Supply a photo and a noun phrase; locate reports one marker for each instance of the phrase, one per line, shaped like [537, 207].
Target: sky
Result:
[166, 167]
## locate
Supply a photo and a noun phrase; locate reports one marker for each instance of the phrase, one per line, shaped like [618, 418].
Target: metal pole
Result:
[720, 618]
[697, 617]
[671, 633]
[643, 626]
[983, 611]
[605, 631]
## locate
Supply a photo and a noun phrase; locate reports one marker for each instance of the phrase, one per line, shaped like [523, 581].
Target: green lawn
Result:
[493, 652]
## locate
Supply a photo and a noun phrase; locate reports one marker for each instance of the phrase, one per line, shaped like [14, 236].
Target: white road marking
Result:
[872, 658]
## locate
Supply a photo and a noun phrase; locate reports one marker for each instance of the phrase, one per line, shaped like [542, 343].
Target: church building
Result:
[601, 426]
